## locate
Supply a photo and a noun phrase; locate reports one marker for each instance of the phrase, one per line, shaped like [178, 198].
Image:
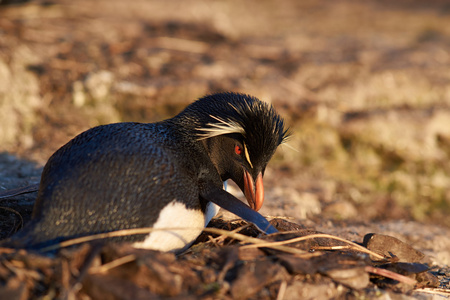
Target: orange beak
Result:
[253, 192]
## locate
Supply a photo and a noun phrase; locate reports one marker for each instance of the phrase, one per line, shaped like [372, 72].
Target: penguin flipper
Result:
[229, 202]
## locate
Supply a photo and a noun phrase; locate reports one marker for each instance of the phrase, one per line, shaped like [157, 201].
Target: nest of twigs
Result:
[230, 260]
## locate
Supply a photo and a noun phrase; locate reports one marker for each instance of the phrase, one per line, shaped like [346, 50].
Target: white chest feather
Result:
[177, 227]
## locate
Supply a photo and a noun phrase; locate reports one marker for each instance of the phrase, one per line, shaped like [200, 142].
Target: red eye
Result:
[238, 150]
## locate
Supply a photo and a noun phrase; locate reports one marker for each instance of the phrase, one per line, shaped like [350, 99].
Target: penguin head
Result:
[241, 134]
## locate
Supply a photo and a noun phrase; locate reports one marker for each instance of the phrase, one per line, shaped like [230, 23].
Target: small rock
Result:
[355, 278]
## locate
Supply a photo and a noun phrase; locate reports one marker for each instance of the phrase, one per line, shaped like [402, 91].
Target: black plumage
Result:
[123, 175]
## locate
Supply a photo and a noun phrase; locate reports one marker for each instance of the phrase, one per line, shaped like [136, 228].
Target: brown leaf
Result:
[253, 276]
[297, 265]
[107, 287]
[14, 292]
[389, 246]
[284, 225]
[426, 279]
[414, 270]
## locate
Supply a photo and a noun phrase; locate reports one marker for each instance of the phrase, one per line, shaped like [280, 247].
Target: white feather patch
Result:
[183, 227]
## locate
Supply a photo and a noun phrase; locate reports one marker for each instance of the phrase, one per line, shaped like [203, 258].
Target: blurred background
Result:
[364, 86]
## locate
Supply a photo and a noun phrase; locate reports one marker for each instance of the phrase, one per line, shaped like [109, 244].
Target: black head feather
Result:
[258, 124]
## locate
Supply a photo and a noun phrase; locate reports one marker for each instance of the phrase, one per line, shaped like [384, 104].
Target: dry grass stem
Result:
[21, 272]
[390, 274]
[16, 213]
[221, 238]
[443, 292]
[282, 290]
[256, 242]
[354, 246]
[113, 264]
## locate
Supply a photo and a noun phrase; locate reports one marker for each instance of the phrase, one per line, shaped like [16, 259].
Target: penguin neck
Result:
[188, 123]
[187, 127]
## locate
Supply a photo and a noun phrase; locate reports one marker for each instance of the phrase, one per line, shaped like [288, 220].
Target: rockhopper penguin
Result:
[167, 174]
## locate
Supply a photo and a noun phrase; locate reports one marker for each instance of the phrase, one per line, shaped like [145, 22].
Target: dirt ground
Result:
[364, 86]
